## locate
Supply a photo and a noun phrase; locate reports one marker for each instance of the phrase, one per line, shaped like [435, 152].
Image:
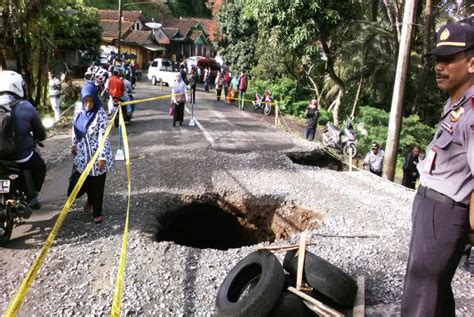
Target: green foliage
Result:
[195, 8]
[324, 117]
[372, 126]
[239, 36]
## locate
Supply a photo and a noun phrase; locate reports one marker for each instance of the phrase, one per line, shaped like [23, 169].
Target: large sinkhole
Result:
[317, 158]
[211, 221]
[202, 226]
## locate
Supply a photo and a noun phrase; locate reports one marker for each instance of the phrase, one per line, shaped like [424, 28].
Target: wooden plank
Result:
[301, 255]
[359, 305]
[282, 247]
[316, 305]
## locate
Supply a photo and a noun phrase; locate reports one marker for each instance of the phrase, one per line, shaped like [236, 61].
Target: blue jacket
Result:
[28, 126]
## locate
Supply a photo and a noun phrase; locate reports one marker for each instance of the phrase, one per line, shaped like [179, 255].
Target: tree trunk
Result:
[426, 48]
[393, 137]
[339, 83]
[356, 99]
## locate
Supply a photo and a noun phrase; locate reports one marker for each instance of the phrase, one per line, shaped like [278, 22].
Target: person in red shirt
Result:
[116, 85]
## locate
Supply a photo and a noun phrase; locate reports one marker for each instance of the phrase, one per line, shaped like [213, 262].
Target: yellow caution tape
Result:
[120, 272]
[16, 302]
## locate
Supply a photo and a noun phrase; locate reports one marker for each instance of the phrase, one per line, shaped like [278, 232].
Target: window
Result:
[154, 64]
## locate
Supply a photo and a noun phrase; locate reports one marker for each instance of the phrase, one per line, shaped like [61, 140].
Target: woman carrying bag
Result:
[89, 125]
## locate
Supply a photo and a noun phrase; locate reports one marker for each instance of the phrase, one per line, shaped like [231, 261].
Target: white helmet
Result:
[12, 82]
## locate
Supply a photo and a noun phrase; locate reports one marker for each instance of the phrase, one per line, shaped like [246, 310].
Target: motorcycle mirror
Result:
[48, 122]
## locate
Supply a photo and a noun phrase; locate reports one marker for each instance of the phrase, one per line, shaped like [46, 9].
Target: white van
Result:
[161, 71]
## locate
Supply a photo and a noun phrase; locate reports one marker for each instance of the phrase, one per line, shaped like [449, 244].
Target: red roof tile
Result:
[129, 16]
[111, 28]
[138, 37]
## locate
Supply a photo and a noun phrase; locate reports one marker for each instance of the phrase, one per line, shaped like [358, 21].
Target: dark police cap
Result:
[453, 38]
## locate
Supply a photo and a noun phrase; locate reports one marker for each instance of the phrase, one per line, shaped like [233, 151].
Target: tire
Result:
[347, 148]
[252, 287]
[325, 278]
[290, 304]
[154, 81]
[267, 110]
[6, 225]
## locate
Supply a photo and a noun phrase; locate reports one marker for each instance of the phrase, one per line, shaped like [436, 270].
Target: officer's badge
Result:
[456, 114]
[444, 35]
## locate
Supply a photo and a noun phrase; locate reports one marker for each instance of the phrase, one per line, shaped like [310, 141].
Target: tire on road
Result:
[324, 277]
[6, 225]
[252, 287]
[154, 81]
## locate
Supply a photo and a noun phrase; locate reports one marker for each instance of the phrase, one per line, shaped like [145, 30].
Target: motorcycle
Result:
[13, 199]
[260, 105]
[345, 140]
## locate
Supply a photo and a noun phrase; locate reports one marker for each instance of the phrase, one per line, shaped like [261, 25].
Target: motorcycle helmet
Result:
[11, 82]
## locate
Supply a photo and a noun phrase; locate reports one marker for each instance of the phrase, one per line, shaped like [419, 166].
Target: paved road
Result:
[220, 127]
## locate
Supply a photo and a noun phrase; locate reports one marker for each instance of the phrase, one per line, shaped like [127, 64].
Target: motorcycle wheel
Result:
[347, 149]
[325, 139]
[267, 110]
[6, 225]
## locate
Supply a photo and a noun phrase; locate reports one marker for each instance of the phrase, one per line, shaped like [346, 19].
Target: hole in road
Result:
[316, 158]
[216, 222]
[207, 226]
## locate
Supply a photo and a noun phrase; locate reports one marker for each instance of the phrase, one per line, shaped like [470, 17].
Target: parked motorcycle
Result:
[13, 200]
[260, 104]
[344, 141]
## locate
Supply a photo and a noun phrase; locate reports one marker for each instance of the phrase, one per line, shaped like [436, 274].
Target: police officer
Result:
[441, 224]
[374, 159]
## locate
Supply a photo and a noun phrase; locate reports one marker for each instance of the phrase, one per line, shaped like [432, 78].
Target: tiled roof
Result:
[171, 32]
[186, 24]
[111, 28]
[195, 35]
[138, 37]
[129, 16]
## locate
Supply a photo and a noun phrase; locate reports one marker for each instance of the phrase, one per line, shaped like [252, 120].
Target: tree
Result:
[40, 30]
[238, 34]
[307, 29]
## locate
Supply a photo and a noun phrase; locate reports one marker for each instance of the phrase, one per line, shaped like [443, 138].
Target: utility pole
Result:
[119, 26]
[393, 138]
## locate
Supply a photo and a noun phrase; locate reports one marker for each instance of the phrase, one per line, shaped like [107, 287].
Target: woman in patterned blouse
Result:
[89, 125]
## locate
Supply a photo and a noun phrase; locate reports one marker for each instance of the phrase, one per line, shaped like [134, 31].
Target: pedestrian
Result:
[312, 115]
[374, 159]
[442, 220]
[184, 75]
[178, 98]
[226, 83]
[243, 83]
[410, 173]
[199, 73]
[219, 84]
[207, 75]
[193, 80]
[54, 92]
[235, 89]
[89, 125]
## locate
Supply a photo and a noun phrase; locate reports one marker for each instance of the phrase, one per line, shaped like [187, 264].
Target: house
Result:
[137, 39]
[177, 38]
[190, 37]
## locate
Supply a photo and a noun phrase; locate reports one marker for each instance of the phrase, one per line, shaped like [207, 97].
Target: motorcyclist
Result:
[28, 130]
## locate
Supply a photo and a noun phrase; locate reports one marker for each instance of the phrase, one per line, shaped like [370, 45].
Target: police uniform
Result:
[440, 218]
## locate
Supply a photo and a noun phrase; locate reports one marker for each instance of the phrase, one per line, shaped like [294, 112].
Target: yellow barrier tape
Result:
[16, 302]
[120, 271]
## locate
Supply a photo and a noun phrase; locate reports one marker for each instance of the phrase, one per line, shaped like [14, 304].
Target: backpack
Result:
[7, 133]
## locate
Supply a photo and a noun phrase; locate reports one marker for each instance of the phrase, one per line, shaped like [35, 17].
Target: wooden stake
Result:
[282, 248]
[315, 305]
[301, 255]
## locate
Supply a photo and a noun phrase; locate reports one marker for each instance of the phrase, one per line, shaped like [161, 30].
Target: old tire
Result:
[324, 277]
[252, 287]
[6, 225]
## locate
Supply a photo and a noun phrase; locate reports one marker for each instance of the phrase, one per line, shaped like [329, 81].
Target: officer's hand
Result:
[101, 165]
[73, 150]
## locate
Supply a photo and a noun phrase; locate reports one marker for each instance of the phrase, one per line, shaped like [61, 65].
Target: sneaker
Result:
[87, 208]
[97, 220]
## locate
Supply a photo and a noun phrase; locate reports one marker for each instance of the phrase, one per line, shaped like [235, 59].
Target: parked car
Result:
[162, 71]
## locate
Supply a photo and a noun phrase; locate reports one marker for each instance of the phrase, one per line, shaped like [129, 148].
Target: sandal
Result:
[97, 220]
